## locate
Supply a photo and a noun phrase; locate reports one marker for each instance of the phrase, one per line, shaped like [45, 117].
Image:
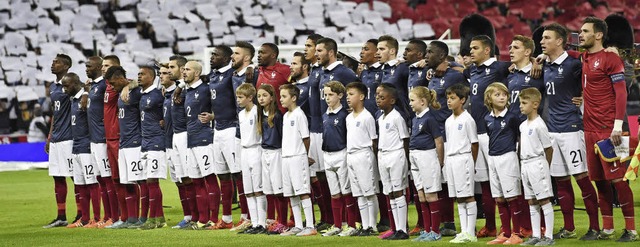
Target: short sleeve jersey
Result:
[151, 104]
[61, 113]
[361, 131]
[424, 131]
[315, 113]
[294, 129]
[79, 126]
[481, 77]
[96, 110]
[517, 81]
[129, 120]
[335, 72]
[249, 136]
[272, 135]
[334, 134]
[393, 129]
[534, 138]
[440, 85]
[371, 77]
[503, 131]
[562, 82]
[461, 128]
[197, 100]
[276, 76]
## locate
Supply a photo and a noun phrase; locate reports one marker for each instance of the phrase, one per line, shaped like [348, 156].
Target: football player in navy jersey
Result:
[370, 73]
[520, 78]
[300, 77]
[394, 72]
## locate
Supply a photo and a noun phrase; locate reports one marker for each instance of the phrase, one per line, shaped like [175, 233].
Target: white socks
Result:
[251, 204]
[373, 210]
[462, 214]
[547, 210]
[307, 206]
[363, 206]
[187, 218]
[534, 210]
[261, 205]
[295, 208]
[401, 211]
[227, 218]
[472, 214]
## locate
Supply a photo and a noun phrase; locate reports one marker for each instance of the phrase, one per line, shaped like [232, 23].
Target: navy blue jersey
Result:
[197, 100]
[335, 72]
[96, 110]
[562, 82]
[398, 74]
[151, 103]
[166, 116]
[424, 130]
[315, 112]
[440, 85]
[519, 80]
[481, 77]
[178, 114]
[223, 98]
[371, 77]
[79, 127]
[334, 133]
[303, 100]
[503, 131]
[417, 77]
[272, 136]
[129, 120]
[61, 114]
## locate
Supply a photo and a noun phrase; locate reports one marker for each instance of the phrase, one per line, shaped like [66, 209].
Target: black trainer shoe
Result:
[590, 235]
[56, 223]
[382, 227]
[628, 236]
[258, 230]
[399, 235]
[247, 231]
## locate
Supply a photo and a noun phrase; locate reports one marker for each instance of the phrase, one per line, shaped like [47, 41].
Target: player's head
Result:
[176, 64]
[387, 48]
[310, 46]
[386, 96]
[496, 96]
[457, 96]
[289, 95]
[333, 93]
[191, 72]
[326, 51]
[61, 64]
[71, 84]
[268, 54]
[117, 77]
[93, 67]
[437, 53]
[368, 52]
[242, 55]
[554, 38]
[414, 51]
[220, 56]
[593, 32]
[299, 66]
[245, 94]
[356, 92]
[529, 100]
[108, 61]
[165, 76]
[421, 98]
[521, 49]
[146, 76]
[481, 49]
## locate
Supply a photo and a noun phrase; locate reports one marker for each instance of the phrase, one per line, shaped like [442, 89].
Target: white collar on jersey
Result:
[79, 93]
[223, 69]
[334, 111]
[333, 65]
[59, 82]
[98, 79]
[170, 88]
[148, 90]
[419, 115]
[502, 113]
[302, 81]
[415, 65]
[243, 70]
[489, 61]
[317, 64]
[526, 68]
[392, 62]
[561, 58]
[375, 65]
[196, 84]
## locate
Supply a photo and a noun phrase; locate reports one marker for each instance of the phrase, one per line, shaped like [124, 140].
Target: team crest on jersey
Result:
[317, 74]
[377, 76]
[331, 77]
[335, 122]
[530, 131]
[387, 126]
[221, 78]
[527, 79]
[358, 124]
[273, 75]
[441, 82]
[596, 64]
[560, 69]
[393, 71]
[95, 90]
[148, 101]
[502, 124]
[459, 126]
[420, 127]
[196, 95]
[487, 71]
[293, 123]
[420, 73]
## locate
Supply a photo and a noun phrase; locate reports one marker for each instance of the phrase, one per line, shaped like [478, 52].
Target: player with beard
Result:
[271, 71]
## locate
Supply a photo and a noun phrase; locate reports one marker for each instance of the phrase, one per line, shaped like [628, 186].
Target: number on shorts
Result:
[576, 156]
[105, 162]
[155, 164]
[206, 160]
[88, 170]
[70, 162]
[136, 166]
[474, 89]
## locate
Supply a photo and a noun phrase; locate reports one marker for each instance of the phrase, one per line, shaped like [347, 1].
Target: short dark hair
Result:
[113, 58]
[561, 31]
[459, 89]
[115, 71]
[422, 47]
[391, 41]
[486, 42]
[180, 60]
[329, 44]
[442, 46]
[358, 86]
[303, 59]
[74, 77]
[226, 50]
[373, 41]
[390, 88]
[150, 68]
[599, 25]
[292, 89]
[247, 46]
[315, 37]
[273, 47]
[66, 59]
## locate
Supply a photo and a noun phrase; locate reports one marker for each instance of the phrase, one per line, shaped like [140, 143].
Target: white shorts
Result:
[504, 175]
[335, 168]
[172, 168]
[100, 159]
[272, 171]
[179, 154]
[569, 154]
[224, 151]
[482, 167]
[295, 176]
[84, 172]
[460, 175]
[393, 170]
[363, 173]
[199, 161]
[536, 179]
[129, 165]
[154, 163]
[251, 169]
[425, 170]
[60, 159]
[315, 152]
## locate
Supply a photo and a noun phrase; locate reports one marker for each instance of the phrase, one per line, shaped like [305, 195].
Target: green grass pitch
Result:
[27, 203]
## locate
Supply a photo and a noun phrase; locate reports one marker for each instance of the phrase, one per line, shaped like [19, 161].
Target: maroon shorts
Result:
[112, 154]
[599, 169]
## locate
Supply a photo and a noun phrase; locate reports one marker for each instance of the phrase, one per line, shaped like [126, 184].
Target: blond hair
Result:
[491, 89]
[531, 94]
[247, 90]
